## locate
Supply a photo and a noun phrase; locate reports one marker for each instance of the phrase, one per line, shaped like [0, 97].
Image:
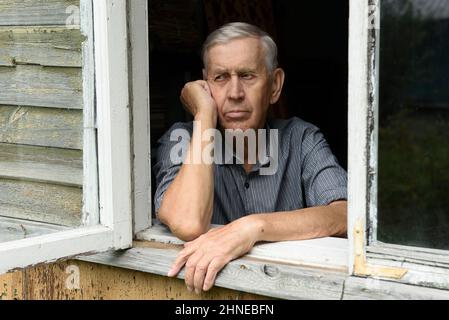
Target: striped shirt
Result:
[308, 174]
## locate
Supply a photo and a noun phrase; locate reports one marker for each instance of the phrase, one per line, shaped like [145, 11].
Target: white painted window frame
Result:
[310, 266]
[368, 257]
[114, 230]
[328, 252]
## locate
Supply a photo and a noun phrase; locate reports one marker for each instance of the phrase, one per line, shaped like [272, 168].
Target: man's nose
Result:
[235, 89]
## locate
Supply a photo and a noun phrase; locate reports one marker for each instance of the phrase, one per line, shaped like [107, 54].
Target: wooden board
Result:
[372, 289]
[11, 286]
[30, 85]
[40, 202]
[46, 46]
[51, 156]
[58, 166]
[329, 253]
[244, 274]
[36, 12]
[96, 282]
[41, 127]
[99, 282]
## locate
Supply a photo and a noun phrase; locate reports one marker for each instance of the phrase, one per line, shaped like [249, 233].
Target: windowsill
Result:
[425, 267]
[248, 274]
[327, 253]
[311, 269]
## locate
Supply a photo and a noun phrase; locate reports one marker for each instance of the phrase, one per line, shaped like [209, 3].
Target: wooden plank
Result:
[51, 156]
[113, 118]
[41, 172]
[330, 253]
[37, 12]
[16, 229]
[40, 202]
[372, 289]
[430, 275]
[244, 274]
[41, 126]
[91, 208]
[100, 282]
[425, 256]
[357, 131]
[140, 100]
[30, 85]
[46, 46]
[96, 282]
[275, 280]
[52, 247]
[11, 286]
[41, 164]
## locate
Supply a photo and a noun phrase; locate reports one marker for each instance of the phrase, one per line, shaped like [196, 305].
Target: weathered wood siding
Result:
[36, 12]
[98, 282]
[47, 46]
[41, 111]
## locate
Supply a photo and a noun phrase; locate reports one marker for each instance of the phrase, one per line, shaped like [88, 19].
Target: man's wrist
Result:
[207, 116]
[257, 224]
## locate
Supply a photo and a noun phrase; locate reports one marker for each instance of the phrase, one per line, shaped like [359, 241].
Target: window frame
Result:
[105, 20]
[368, 256]
[269, 269]
[148, 230]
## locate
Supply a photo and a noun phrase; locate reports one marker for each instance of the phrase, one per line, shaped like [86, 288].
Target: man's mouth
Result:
[237, 114]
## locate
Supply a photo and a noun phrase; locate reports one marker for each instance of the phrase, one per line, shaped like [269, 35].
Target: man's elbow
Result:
[188, 232]
[184, 230]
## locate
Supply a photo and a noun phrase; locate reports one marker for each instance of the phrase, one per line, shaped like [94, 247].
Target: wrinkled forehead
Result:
[236, 54]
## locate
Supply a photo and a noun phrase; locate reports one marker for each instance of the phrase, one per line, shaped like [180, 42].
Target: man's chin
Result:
[236, 125]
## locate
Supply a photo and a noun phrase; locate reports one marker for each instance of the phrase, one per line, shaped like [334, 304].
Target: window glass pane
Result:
[41, 119]
[414, 123]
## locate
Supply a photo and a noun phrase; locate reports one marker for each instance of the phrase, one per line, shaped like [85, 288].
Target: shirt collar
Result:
[264, 161]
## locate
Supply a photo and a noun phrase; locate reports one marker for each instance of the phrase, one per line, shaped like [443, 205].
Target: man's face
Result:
[239, 83]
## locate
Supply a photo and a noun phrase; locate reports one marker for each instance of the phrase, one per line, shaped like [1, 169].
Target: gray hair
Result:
[237, 30]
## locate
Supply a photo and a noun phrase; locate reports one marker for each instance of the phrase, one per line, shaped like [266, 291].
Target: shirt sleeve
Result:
[166, 167]
[324, 180]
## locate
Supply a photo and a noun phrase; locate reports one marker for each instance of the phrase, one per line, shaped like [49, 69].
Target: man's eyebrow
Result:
[239, 70]
[246, 70]
[219, 70]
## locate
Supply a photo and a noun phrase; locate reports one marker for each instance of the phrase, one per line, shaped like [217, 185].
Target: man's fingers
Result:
[182, 258]
[200, 273]
[214, 267]
[205, 85]
[190, 268]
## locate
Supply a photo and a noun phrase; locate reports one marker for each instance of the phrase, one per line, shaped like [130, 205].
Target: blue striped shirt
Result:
[308, 175]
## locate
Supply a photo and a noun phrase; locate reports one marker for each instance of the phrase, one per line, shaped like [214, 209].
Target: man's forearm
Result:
[188, 202]
[308, 223]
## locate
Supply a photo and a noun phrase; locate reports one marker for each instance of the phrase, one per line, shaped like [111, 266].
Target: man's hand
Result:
[197, 99]
[205, 256]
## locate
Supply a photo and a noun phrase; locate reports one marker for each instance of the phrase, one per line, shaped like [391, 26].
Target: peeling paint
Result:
[361, 267]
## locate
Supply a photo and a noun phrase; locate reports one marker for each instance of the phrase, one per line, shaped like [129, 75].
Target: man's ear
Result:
[277, 84]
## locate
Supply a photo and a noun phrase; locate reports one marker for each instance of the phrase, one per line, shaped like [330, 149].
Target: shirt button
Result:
[247, 185]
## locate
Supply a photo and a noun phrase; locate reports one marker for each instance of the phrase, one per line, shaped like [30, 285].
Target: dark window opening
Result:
[312, 38]
[414, 123]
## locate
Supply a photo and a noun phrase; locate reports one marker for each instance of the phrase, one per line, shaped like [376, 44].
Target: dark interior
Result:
[312, 37]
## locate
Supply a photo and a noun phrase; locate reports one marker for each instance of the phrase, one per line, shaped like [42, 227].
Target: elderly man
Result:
[304, 198]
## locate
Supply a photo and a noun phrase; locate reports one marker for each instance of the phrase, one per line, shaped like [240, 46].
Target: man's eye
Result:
[220, 78]
[247, 76]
